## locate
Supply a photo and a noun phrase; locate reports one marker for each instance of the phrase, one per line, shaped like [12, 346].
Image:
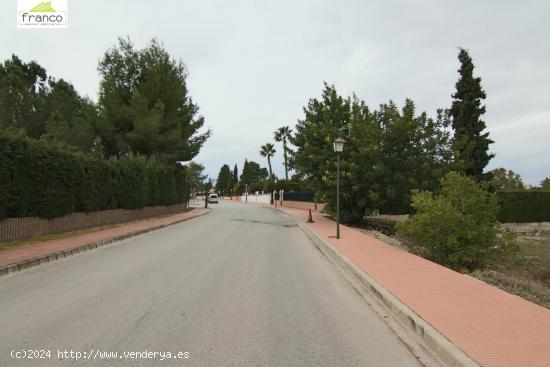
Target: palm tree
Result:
[268, 150]
[282, 134]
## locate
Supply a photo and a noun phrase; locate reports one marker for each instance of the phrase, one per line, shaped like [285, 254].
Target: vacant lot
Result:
[526, 273]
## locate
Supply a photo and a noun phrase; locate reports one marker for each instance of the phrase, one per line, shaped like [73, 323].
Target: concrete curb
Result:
[432, 340]
[29, 263]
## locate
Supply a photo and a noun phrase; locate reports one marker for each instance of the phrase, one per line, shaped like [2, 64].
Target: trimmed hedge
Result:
[37, 179]
[524, 206]
[306, 197]
[287, 186]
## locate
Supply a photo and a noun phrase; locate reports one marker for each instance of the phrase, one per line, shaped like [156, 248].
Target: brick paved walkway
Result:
[493, 327]
[29, 251]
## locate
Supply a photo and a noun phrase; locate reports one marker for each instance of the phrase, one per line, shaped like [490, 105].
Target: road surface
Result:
[241, 286]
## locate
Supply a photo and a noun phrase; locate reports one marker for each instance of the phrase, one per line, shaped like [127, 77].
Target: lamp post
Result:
[246, 193]
[338, 148]
[275, 193]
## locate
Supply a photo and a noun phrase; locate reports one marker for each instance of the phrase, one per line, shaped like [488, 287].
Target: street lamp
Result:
[275, 193]
[338, 148]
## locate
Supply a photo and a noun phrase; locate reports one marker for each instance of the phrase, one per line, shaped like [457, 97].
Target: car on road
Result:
[213, 198]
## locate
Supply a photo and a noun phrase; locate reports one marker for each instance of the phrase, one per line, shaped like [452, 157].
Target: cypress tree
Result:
[470, 143]
[235, 175]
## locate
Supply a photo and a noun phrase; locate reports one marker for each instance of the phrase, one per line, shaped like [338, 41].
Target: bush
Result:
[524, 206]
[37, 179]
[458, 227]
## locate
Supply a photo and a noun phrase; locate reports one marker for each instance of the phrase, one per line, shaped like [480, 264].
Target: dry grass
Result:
[528, 288]
[527, 274]
[56, 236]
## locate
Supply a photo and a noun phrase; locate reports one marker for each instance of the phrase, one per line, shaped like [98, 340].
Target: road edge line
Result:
[44, 259]
[435, 342]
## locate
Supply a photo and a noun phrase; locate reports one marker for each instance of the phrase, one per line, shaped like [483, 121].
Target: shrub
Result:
[458, 228]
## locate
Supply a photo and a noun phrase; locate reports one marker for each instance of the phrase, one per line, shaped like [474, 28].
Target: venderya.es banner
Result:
[42, 14]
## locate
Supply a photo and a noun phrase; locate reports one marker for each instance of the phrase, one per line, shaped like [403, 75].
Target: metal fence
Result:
[14, 229]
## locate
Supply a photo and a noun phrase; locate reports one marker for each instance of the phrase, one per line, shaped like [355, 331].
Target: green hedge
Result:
[287, 186]
[524, 206]
[37, 179]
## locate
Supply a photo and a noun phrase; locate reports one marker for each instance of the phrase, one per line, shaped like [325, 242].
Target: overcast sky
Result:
[253, 65]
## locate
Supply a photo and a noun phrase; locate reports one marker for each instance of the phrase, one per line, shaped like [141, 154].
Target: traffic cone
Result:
[310, 217]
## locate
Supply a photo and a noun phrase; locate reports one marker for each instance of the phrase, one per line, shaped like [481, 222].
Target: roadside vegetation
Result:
[428, 171]
[458, 227]
[61, 152]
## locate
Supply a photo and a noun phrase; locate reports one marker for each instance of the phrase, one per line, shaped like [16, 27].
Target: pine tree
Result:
[144, 96]
[22, 90]
[470, 144]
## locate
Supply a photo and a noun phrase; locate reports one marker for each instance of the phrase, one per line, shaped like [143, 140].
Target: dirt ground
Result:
[527, 274]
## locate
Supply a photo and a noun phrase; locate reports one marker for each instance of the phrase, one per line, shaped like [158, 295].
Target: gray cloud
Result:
[253, 65]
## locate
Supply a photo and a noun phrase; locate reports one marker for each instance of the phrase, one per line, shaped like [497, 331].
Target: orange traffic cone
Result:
[310, 217]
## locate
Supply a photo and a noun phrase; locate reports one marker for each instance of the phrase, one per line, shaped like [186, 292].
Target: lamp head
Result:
[339, 145]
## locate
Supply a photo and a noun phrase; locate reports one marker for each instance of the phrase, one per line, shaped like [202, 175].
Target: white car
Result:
[213, 198]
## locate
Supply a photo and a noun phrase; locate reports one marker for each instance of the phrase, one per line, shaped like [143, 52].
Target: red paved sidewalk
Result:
[34, 250]
[493, 327]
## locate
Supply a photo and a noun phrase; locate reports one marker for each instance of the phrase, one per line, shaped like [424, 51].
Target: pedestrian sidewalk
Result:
[492, 327]
[28, 252]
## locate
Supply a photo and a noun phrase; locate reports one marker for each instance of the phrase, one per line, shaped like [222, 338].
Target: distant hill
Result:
[45, 7]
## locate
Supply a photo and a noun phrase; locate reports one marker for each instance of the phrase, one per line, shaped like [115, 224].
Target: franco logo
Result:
[36, 14]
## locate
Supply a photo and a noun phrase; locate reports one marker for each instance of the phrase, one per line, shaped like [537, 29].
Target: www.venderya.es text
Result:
[95, 354]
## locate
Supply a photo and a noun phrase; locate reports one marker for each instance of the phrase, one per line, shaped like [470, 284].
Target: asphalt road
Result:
[241, 286]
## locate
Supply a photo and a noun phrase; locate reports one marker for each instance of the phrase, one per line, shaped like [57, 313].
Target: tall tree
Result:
[545, 184]
[46, 108]
[388, 153]
[282, 135]
[268, 150]
[70, 118]
[252, 174]
[314, 160]
[223, 183]
[195, 175]
[413, 153]
[235, 175]
[501, 179]
[471, 143]
[144, 96]
[244, 178]
[22, 89]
